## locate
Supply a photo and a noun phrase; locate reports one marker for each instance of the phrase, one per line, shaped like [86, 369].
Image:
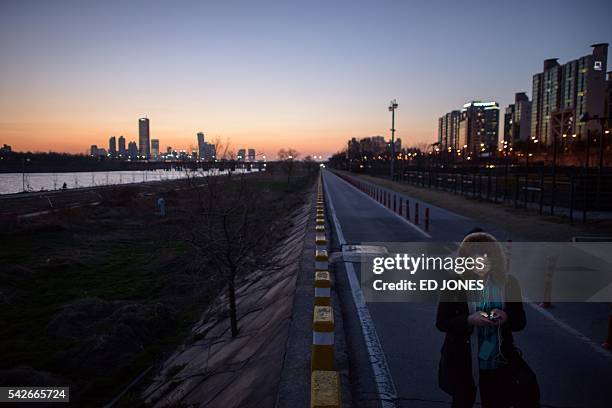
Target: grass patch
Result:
[92, 298]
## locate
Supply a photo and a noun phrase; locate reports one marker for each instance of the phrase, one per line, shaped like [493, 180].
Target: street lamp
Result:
[392, 107]
[586, 118]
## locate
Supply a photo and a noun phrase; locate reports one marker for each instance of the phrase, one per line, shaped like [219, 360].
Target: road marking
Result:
[571, 331]
[382, 375]
[411, 225]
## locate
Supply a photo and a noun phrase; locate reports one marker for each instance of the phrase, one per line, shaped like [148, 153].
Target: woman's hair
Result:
[480, 243]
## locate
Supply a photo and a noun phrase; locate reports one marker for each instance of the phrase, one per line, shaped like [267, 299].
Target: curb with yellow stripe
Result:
[324, 379]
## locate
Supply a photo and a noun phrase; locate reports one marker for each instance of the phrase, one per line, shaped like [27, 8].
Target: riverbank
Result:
[92, 296]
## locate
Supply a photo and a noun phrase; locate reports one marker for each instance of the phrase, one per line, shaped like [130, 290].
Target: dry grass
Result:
[93, 296]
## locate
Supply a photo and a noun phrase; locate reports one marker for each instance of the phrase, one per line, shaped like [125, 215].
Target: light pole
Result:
[586, 118]
[392, 107]
[23, 177]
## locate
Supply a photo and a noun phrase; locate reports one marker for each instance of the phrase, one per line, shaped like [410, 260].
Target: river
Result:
[11, 183]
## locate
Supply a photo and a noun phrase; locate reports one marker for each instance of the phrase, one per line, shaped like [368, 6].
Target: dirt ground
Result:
[91, 297]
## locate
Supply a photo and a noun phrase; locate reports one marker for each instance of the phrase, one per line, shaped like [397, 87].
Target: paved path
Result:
[571, 371]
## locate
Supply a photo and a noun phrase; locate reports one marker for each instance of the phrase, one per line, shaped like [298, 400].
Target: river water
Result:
[17, 182]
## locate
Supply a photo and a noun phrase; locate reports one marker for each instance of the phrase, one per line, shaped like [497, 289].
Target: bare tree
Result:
[229, 232]
[222, 148]
[287, 159]
[310, 164]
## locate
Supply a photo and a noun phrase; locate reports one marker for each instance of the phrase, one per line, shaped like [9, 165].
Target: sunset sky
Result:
[270, 74]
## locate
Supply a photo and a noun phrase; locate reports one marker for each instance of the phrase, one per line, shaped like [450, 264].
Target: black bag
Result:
[525, 390]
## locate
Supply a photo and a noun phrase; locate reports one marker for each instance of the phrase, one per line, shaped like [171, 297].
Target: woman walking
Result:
[479, 346]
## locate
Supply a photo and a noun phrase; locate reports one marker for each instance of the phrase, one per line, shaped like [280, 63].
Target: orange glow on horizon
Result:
[76, 138]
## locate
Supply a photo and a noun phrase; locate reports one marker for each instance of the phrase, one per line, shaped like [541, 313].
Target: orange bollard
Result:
[550, 268]
[508, 255]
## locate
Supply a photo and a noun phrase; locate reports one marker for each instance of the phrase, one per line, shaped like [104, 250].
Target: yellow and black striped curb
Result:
[322, 288]
[324, 389]
[324, 380]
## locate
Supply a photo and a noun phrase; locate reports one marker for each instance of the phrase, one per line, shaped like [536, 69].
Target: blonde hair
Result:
[472, 244]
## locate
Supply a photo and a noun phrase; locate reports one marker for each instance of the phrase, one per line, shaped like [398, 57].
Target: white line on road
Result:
[382, 375]
[411, 225]
[561, 324]
[570, 330]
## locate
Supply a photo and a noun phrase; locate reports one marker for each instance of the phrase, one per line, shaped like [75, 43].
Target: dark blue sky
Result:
[270, 73]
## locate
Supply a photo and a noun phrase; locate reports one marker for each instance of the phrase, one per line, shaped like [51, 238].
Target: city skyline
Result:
[293, 76]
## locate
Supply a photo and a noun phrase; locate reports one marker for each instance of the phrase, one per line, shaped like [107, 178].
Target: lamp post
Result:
[392, 107]
[585, 117]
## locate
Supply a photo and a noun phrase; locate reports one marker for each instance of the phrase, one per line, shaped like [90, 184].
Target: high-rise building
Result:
[93, 150]
[561, 94]
[609, 100]
[448, 130]
[122, 152]
[241, 156]
[133, 150]
[251, 155]
[517, 119]
[201, 145]
[210, 152]
[206, 151]
[144, 144]
[112, 146]
[478, 128]
[155, 148]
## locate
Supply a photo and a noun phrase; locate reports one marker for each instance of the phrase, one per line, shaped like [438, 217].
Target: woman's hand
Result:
[477, 319]
[503, 316]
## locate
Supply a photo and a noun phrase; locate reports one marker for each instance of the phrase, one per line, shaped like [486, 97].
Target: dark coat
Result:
[455, 370]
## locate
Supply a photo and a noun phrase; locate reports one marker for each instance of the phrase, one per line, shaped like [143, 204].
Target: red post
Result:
[408, 209]
[416, 213]
[427, 219]
[608, 343]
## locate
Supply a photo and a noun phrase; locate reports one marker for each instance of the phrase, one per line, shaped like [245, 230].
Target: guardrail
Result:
[324, 379]
[392, 200]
